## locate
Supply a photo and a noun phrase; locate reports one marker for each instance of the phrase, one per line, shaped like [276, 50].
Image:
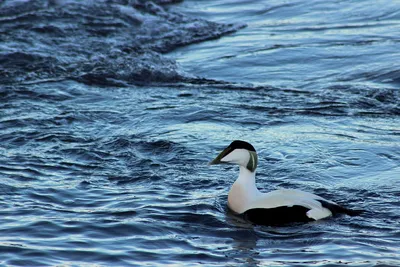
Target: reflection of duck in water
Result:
[276, 207]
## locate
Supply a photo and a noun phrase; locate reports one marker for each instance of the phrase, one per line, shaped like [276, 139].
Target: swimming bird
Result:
[274, 208]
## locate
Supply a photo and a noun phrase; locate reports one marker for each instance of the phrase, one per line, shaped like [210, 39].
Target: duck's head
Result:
[238, 152]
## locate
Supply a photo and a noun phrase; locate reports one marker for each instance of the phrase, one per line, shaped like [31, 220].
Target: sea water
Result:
[111, 110]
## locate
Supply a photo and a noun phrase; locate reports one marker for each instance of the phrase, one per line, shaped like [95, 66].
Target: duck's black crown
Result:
[238, 144]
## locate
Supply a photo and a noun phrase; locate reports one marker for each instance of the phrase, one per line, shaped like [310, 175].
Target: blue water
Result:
[111, 110]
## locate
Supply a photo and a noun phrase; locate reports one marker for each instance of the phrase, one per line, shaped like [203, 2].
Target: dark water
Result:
[110, 111]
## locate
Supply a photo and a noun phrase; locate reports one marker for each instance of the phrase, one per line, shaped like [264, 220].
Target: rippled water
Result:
[105, 137]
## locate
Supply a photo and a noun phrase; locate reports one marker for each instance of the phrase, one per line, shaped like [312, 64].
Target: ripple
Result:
[105, 138]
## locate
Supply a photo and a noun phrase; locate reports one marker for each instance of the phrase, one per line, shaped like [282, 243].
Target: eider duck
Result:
[278, 207]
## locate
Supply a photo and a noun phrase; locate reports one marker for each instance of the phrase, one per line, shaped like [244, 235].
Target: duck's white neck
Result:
[243, 191]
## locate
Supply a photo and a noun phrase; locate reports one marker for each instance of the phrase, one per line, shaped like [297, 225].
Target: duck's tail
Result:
[336, 209]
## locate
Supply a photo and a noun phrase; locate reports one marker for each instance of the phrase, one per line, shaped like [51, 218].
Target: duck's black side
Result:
[294, 214]
[278, 216]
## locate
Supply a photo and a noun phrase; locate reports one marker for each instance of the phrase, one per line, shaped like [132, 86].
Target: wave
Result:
[103, 42]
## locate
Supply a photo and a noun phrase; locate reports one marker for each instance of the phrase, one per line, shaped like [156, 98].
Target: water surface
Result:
[107, 124]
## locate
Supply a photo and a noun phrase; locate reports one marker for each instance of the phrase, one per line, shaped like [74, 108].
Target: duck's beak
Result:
[221, 155]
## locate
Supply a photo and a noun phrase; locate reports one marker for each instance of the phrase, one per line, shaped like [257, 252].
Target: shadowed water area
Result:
[111, 110]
